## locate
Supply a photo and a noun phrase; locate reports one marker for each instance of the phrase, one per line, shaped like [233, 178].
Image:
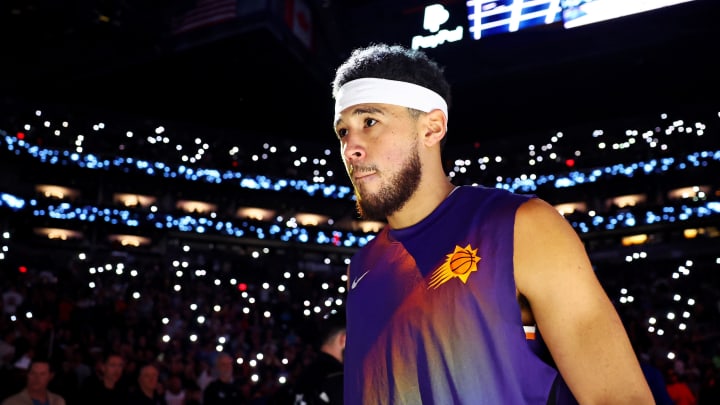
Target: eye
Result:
[341, 132]
[370, 122]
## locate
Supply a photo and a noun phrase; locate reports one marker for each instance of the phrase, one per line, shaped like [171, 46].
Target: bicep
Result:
[574, 314]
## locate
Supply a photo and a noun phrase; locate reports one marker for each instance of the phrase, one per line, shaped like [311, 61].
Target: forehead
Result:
[114, 360]
[40, 367]
[149, 371]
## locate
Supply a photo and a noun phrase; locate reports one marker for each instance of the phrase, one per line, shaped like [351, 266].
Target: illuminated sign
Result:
[435, 16]
[583, 12]
[493, 17]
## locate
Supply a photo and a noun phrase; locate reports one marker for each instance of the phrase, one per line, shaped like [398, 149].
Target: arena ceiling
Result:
[254, 74]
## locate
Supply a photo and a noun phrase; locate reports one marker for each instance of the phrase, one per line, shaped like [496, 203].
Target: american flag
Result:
[204, 13]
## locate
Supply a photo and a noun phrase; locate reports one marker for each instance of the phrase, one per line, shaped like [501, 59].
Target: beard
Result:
[394, 194]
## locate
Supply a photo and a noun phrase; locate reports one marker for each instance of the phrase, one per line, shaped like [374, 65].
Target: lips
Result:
[359, 173]
[363, 175]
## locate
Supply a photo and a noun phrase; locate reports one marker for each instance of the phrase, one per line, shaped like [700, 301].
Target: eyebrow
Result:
[363, 110]
[368, 110]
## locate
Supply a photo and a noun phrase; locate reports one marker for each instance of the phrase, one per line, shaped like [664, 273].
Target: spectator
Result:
[174, 390]
[36, 391]
[679, 390]
[7, 347]
[12, 298]
[322, 381]
[204, 375]
[146, 392]
[223, 390]
[710, 389]
[107, 387]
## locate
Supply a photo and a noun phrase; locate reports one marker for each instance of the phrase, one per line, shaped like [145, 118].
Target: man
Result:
[223, 390]
[36, 390]
[107, 387]
[322, 381]
[444, 302]
[146, 392]
[679, 390]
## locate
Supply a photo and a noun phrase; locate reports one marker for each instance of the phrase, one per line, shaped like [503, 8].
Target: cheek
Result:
[396, 153]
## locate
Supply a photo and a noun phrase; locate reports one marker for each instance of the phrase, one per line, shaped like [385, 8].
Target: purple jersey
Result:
[433, 316]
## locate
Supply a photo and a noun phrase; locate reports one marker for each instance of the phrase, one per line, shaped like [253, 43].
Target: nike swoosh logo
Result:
[357, 280]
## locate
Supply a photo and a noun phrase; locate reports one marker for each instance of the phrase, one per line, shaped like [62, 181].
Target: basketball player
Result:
[455, 298]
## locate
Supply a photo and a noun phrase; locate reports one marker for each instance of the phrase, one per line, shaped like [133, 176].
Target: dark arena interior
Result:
[172, 186]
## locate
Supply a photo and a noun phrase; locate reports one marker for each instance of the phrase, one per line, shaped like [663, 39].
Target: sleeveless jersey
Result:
[432, 313]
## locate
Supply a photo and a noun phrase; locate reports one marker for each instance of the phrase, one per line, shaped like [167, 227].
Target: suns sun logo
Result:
[460, 263]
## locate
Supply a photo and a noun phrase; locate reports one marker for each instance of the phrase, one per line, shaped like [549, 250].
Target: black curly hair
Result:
[392, 62]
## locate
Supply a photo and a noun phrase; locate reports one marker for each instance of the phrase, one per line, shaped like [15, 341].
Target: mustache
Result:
[353, 169]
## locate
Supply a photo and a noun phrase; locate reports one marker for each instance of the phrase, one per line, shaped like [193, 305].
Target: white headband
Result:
[374, 90]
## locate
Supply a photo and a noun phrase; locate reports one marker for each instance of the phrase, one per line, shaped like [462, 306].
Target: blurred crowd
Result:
[128, 325]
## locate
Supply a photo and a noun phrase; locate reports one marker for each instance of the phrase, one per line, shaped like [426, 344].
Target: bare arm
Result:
[576, 318]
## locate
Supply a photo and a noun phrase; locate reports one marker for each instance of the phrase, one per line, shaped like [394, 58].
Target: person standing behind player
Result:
[439, 302]
[321, 382]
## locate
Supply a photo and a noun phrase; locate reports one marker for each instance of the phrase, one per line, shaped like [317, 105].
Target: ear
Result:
[342, 337]
[435, 127]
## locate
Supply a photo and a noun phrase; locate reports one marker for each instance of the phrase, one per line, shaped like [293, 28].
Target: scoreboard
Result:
[494, 17]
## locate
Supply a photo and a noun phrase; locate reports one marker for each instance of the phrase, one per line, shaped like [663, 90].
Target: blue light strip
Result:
[277, 231]
[207, 175]
[259, 182]
[65, 211]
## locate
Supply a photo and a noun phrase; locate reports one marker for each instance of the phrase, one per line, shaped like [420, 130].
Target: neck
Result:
[336, 353]
[38, 395]
[426, 198]
[108, 384]
[148, 392]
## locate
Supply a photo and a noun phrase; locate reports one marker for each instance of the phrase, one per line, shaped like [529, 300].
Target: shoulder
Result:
[488, 192]
[56, 399]
[211, 387]
[536, 217]
[537, 206]
[20, 398]
[489, 199]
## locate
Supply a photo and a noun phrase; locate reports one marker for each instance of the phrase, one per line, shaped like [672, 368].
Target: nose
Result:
[352, 148]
